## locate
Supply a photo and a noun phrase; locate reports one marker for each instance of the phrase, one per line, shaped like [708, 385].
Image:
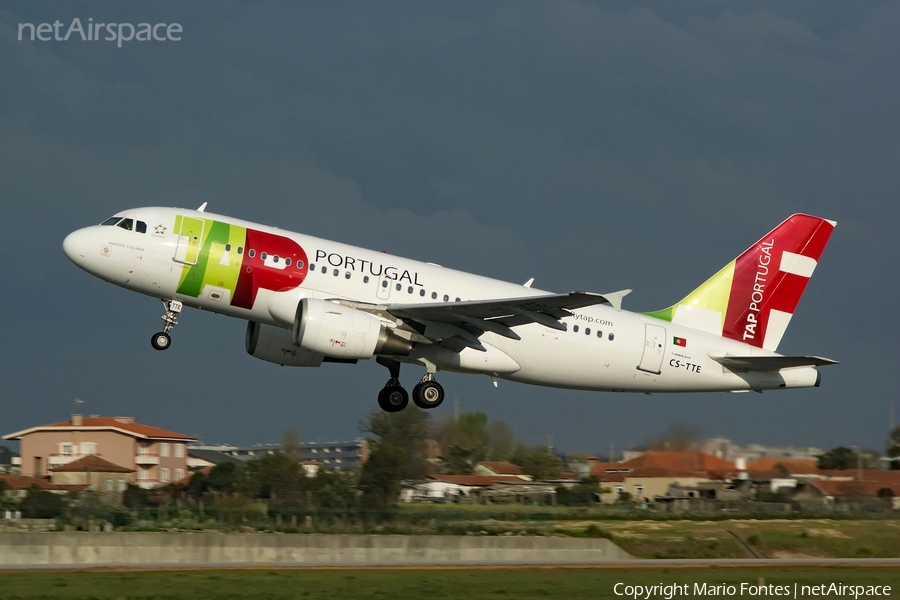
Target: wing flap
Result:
[498, 316]
[771, 363]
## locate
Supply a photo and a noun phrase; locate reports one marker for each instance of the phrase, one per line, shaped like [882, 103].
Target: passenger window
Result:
[347, 275]
[446, 298]
[126, 224]
[366, 279]
[263, 256]
[384, 283]
[336, 272]
[399, 287]
[252, 253]
[457, 299]
[587, 331]
[434, 295]
[611, 337]
[275, 258]
[227, 246]
[575, 328]
[141, 227]
[312, 268]
[600, 334]
[111, 221]
[287, 261]
[324, 269]
[240, 249]
[410, 290]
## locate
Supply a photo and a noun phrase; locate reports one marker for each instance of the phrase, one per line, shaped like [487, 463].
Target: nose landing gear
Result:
[162, 340]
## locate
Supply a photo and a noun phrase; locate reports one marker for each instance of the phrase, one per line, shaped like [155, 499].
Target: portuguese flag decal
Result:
[680, 342]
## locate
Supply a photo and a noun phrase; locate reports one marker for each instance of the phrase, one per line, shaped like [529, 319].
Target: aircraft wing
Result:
[771, 363]
[471, 318]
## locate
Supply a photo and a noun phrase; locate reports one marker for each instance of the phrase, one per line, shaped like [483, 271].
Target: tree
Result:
[41, 504]
[458, 460]
[136, 497]
[225, 478]
[839, 458]
[483, 440]
[893, 449]
[500, 434]
[537, 462]
[275, 476]
[380, 478]
[405, 432]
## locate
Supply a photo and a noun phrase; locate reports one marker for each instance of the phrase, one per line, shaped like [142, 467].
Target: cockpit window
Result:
[111, 221]
[141, 227]
[126, 224]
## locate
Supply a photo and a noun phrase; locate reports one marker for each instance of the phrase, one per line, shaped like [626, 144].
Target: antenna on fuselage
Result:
[202, 207]
[529, 282]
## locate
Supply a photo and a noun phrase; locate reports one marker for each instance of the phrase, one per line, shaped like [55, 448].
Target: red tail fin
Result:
[753, 297]
[770, 277]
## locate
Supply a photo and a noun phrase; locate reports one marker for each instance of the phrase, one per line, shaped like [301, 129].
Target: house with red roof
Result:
[652, 474]
[147, 455]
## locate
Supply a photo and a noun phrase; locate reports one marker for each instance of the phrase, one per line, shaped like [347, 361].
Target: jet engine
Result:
[342, 332]
[276, 345]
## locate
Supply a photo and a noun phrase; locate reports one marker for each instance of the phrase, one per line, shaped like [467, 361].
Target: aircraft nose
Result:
[75, 245]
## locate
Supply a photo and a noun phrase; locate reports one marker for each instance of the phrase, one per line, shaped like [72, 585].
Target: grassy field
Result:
[471, 584]
[771, 538]
[693, 538]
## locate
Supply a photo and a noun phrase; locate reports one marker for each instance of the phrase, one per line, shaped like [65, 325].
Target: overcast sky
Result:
[590, 145]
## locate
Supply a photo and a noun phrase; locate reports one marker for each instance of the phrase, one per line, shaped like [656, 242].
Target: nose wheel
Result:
[162, 339]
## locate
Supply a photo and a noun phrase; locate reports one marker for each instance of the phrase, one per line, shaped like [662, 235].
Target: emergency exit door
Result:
[654, 348]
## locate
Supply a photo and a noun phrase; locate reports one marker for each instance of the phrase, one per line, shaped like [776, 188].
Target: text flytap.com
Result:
[93, 32]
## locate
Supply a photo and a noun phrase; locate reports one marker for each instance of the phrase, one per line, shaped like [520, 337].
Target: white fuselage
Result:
[602, 349]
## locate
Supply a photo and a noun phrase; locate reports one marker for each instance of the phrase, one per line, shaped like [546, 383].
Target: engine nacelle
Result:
[275, 345]
[342, 332]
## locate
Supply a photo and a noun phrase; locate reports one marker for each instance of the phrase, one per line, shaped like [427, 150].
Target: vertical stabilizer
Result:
[753, 298]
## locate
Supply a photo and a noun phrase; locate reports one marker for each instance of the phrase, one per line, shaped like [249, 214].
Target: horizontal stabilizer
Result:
[771, 363]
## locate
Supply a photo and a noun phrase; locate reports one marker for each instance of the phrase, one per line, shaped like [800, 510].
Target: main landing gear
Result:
[162, 340]
[428, 393]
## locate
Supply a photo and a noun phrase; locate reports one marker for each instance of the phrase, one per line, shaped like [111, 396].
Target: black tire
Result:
[160, 341]
[428, 395]
[393, 398]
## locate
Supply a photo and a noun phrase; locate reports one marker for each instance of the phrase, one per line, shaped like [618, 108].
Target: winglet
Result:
[202, 207]
[615, 298]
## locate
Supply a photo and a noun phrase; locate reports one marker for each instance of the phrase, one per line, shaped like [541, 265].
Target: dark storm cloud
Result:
[591, 145]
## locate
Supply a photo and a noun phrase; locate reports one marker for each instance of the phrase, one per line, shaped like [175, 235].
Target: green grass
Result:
[807, 538]
[471, 584]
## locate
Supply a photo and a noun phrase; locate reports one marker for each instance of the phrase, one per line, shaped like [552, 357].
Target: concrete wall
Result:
[63, 549]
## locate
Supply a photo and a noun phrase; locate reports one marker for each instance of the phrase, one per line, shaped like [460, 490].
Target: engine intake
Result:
[342, 332]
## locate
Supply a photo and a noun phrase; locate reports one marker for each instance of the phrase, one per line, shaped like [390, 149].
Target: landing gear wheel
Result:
[393, 398]
[428, 394]
[160, 341]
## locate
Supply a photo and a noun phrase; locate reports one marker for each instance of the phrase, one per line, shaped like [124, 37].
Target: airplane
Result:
[309, 301]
